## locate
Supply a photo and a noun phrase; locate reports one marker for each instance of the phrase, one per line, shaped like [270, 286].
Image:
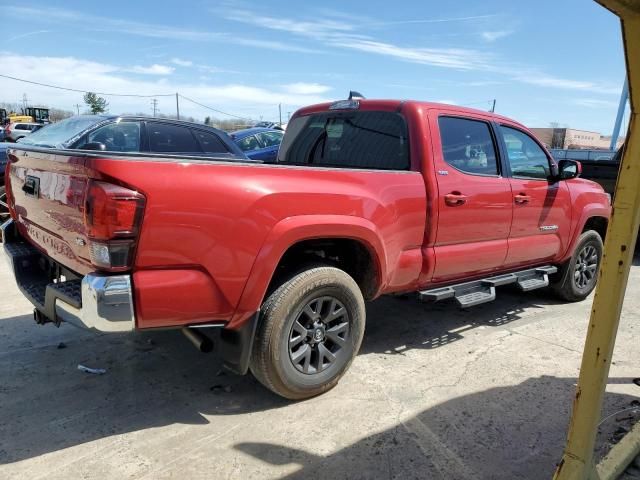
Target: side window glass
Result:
[166, 138]
[467, 145]
[210, 142]
[271, 139]
[249, 143]
[526, 158]
[118, 137]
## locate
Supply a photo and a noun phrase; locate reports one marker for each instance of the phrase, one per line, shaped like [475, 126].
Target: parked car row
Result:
[143, 134]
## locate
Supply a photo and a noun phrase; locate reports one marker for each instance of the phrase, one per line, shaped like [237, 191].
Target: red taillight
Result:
[7, 129]
[112, 218]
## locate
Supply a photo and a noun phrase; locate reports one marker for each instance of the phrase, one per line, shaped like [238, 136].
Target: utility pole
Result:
[154, 102]
[78, 108]
[288, 116]
[177, 107]
[24, 102]
[624, 96]
[493, 107]
[280, 112]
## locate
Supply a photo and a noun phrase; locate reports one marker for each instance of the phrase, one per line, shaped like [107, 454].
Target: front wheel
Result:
[311, 330]
[578, 277]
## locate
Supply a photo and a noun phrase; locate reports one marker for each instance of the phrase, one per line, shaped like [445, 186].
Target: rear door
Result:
[474, 198]
[541, 207]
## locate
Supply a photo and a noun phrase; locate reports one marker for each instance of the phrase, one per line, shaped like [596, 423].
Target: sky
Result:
[544, 61]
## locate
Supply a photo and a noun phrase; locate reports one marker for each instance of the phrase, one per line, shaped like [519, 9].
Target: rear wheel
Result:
[578, 277]
[311, 329]
[4, 208]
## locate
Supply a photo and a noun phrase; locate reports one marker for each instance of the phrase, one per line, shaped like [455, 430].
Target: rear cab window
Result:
[354, 139]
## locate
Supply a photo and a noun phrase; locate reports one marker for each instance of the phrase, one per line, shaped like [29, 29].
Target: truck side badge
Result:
[443, 172]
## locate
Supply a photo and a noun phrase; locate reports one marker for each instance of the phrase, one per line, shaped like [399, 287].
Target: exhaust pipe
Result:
[199, 339]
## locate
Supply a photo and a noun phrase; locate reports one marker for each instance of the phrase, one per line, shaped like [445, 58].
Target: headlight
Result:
[608, 197]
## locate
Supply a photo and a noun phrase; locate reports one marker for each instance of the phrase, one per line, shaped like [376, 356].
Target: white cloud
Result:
[154, 69]
[543, 80]
[95, 23]
[595, 103]
[245, 100]
[301, 88]
[459, 59]
[490, 36]
[181, 63]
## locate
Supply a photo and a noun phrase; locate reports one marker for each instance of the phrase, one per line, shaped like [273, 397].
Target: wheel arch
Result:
[295, 233]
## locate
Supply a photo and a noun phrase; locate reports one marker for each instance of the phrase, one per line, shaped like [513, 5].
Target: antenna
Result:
[353, 95]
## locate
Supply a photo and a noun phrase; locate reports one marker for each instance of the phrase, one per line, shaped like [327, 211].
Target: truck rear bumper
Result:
[96, 301]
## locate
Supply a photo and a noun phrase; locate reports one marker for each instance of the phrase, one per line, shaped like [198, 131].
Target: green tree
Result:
[96, 104]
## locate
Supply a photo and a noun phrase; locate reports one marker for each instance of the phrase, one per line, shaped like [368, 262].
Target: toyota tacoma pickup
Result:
[365, 198]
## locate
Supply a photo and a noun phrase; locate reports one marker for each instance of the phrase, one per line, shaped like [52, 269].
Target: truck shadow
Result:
[398, 324]
[157, 378]
[514, 432]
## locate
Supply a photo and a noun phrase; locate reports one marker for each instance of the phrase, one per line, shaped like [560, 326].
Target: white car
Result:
[15, 131]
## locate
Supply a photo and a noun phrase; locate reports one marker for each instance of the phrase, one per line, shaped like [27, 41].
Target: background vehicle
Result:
[4, 210]
[15, 131]
[259, 143]
[38, 114]
[366, 197]
[272, 125]
[135, 134]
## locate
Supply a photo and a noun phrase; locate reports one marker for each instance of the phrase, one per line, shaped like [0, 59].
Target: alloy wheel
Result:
[584, 271]
[319, 335]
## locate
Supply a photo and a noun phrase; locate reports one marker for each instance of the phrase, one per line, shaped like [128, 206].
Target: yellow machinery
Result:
[577, 462]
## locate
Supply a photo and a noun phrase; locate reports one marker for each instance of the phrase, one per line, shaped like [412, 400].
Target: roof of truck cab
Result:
[396, 105]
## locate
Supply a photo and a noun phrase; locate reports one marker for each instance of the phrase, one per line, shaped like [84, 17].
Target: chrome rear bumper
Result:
[97, 301]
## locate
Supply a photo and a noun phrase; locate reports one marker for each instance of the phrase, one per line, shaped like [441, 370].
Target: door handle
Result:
[455, 199]
[521, 198]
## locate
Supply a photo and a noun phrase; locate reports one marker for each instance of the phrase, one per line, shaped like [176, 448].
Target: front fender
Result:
[292, 230]
[590, 210]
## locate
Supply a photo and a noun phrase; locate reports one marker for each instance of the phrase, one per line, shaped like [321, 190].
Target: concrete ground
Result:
[435, 392]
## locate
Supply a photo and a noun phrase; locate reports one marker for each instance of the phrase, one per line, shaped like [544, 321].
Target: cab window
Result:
[467, 145]
[118, 137]
[526, 158]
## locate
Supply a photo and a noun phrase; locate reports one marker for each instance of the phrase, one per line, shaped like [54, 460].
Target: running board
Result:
[474, 293]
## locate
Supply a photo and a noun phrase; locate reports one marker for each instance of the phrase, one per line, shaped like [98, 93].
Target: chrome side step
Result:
[470, 294]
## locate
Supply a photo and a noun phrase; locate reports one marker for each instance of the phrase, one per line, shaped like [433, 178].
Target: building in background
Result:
[565, 138]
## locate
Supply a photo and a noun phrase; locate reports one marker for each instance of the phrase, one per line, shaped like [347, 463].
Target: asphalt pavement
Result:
[436, 392]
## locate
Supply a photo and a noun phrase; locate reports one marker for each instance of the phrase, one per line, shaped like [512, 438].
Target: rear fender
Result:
[292, 230]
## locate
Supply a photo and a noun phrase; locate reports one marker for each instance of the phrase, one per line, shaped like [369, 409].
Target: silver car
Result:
[15, 131]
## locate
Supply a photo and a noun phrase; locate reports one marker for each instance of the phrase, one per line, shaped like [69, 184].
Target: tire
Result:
[4, 210]
[289, 356]
[578, 276]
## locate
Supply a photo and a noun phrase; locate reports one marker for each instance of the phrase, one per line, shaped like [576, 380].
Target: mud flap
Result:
[236, 345]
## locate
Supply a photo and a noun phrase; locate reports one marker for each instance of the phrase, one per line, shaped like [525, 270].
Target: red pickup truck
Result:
[366, 197]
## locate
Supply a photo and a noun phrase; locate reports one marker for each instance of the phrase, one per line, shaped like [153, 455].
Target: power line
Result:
[85, 91]
[214, 109]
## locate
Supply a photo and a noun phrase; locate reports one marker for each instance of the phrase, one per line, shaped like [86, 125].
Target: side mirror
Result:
[94, 146]
[569, 169]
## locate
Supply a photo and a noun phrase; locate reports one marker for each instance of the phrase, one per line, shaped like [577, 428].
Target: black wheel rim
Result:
[319, 335]
[4, 208]
[584, 271]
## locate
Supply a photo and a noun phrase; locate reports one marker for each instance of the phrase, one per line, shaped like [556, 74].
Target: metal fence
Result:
[560, 154]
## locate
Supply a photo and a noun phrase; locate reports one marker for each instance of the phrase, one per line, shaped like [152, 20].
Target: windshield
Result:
[60, 134]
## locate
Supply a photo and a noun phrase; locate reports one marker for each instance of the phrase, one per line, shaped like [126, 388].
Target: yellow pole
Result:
[577, 461]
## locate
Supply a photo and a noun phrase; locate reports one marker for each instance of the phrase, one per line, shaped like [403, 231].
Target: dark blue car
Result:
[259, 143]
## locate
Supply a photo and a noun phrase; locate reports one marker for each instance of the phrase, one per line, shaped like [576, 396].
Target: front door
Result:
[474, 199]
[541, 206]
